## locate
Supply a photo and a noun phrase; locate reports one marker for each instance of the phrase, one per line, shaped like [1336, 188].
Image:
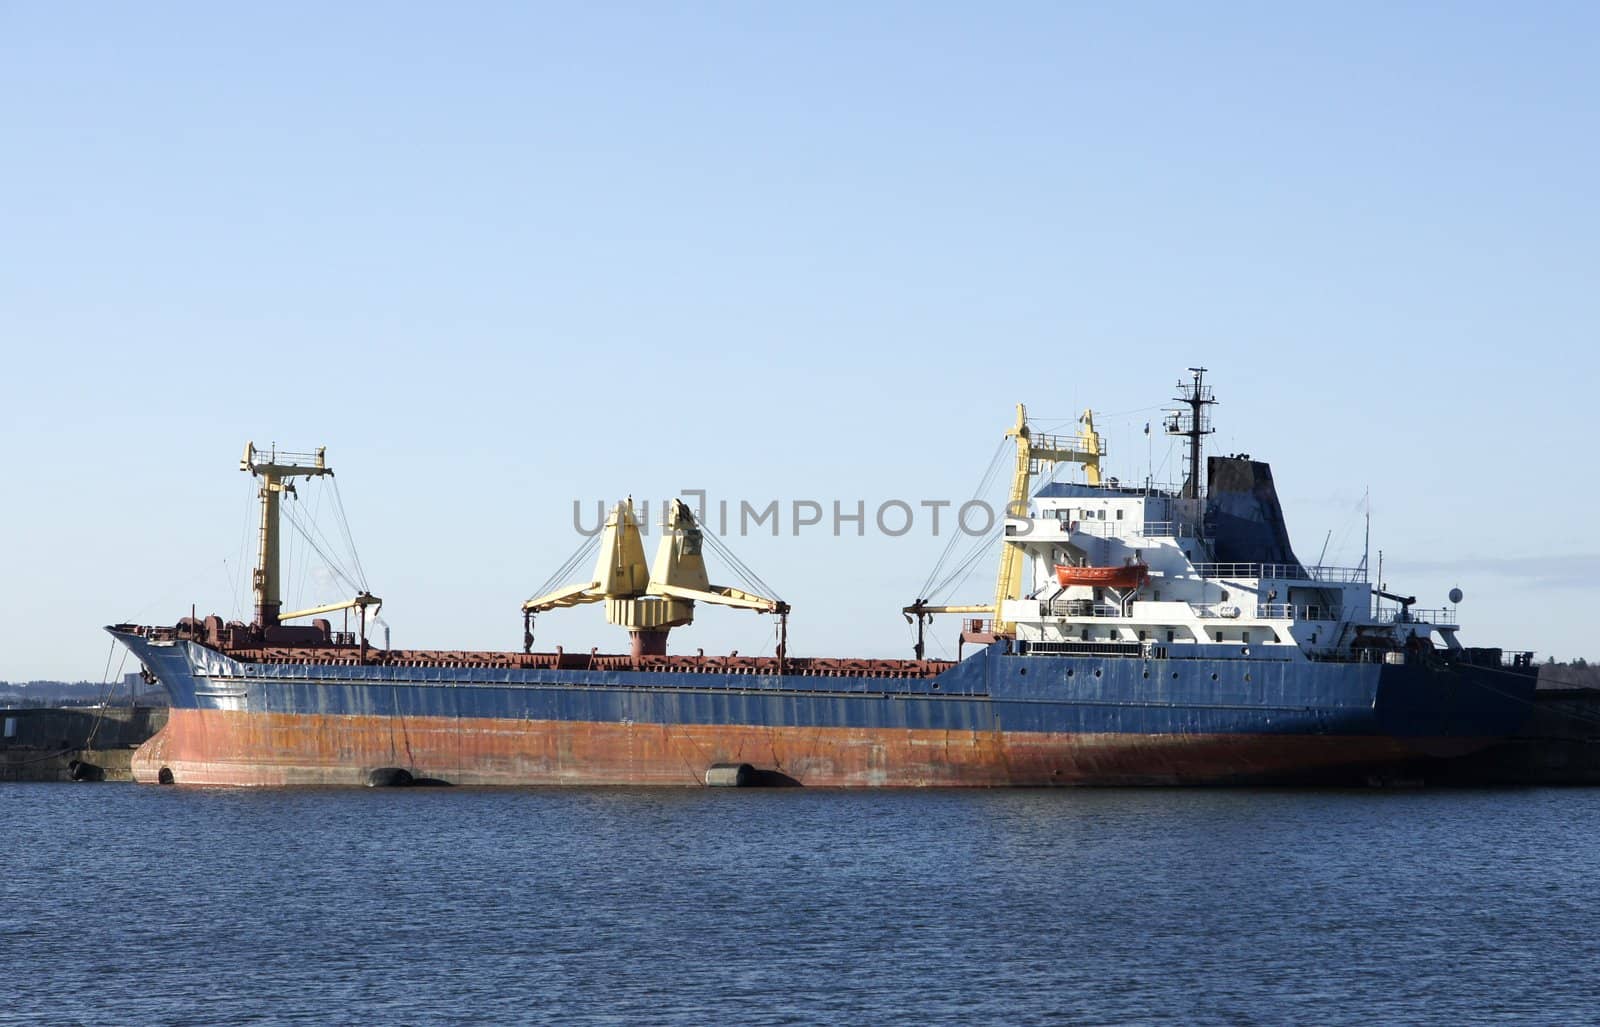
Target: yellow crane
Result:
[1035, 452]
[651, 600]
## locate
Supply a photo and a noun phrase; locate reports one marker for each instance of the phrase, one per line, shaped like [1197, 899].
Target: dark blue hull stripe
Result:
[988, 692]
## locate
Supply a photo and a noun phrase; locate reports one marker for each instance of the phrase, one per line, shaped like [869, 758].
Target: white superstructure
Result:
[1200, 569]
[1281, 610]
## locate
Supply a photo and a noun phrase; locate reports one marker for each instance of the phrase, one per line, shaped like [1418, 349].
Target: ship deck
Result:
[351, 655]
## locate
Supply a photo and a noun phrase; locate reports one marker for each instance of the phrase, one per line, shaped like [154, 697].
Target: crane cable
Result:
[963, 570]
[741, 570]
[984, 485]
[349, 537]
[334, 566]
[585, 550]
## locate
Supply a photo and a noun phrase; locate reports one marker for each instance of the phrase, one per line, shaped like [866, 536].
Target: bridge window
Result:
[1119, 513]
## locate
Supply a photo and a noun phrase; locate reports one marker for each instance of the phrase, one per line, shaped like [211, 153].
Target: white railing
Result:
[1403, 615]
[1171, 529]
[1290, 611]
[1282, 572]
[1050, 527]
[1078, 608]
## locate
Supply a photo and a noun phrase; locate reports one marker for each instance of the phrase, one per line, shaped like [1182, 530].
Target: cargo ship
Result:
[1138, 635]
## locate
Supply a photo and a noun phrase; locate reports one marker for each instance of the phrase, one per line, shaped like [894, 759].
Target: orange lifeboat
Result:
[1131, 576]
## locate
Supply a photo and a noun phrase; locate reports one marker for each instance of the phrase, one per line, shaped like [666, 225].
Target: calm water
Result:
[123, 904]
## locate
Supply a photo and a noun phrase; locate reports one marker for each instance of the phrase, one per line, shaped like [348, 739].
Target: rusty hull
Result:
[212, 747]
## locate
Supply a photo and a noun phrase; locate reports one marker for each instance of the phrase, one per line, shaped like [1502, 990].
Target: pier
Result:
[68, 743]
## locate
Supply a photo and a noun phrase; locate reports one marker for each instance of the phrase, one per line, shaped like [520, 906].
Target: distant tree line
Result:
[1578, 673]
[75, 693]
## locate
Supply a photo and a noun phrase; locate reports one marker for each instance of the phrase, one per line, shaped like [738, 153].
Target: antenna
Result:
[1193, 424]
[1366, 547]
[1378, 596]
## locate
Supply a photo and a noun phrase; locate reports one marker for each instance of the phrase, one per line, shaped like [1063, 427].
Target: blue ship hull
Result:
[992, 719]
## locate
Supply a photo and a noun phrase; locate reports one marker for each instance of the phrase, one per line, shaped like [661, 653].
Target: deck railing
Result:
[1293, 611]
[1172, 529]
[1405, 615]
[1282, 572]
[1114, 528]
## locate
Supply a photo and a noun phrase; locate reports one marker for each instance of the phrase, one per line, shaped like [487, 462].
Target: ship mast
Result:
[1195, 425]
[1034, 453]
[277, 472]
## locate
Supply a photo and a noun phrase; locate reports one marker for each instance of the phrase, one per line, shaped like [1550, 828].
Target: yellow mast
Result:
[275, 471]
[1034, 452]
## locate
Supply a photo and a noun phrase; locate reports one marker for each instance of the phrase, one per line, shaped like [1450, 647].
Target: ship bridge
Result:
[1101, 565]
[1110, 564]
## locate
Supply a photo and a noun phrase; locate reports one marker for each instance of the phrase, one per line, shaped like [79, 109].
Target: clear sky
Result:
[500, 257]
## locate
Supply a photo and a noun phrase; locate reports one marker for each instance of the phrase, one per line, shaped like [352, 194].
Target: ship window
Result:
[1158, 595]
[1085, 635]
[1169, 636]
[11, 727]
[1141, 634]
[1119, 514]
[1224, 595]
[1245, 638]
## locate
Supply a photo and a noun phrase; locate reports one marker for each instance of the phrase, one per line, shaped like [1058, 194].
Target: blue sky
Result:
[498, 258]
